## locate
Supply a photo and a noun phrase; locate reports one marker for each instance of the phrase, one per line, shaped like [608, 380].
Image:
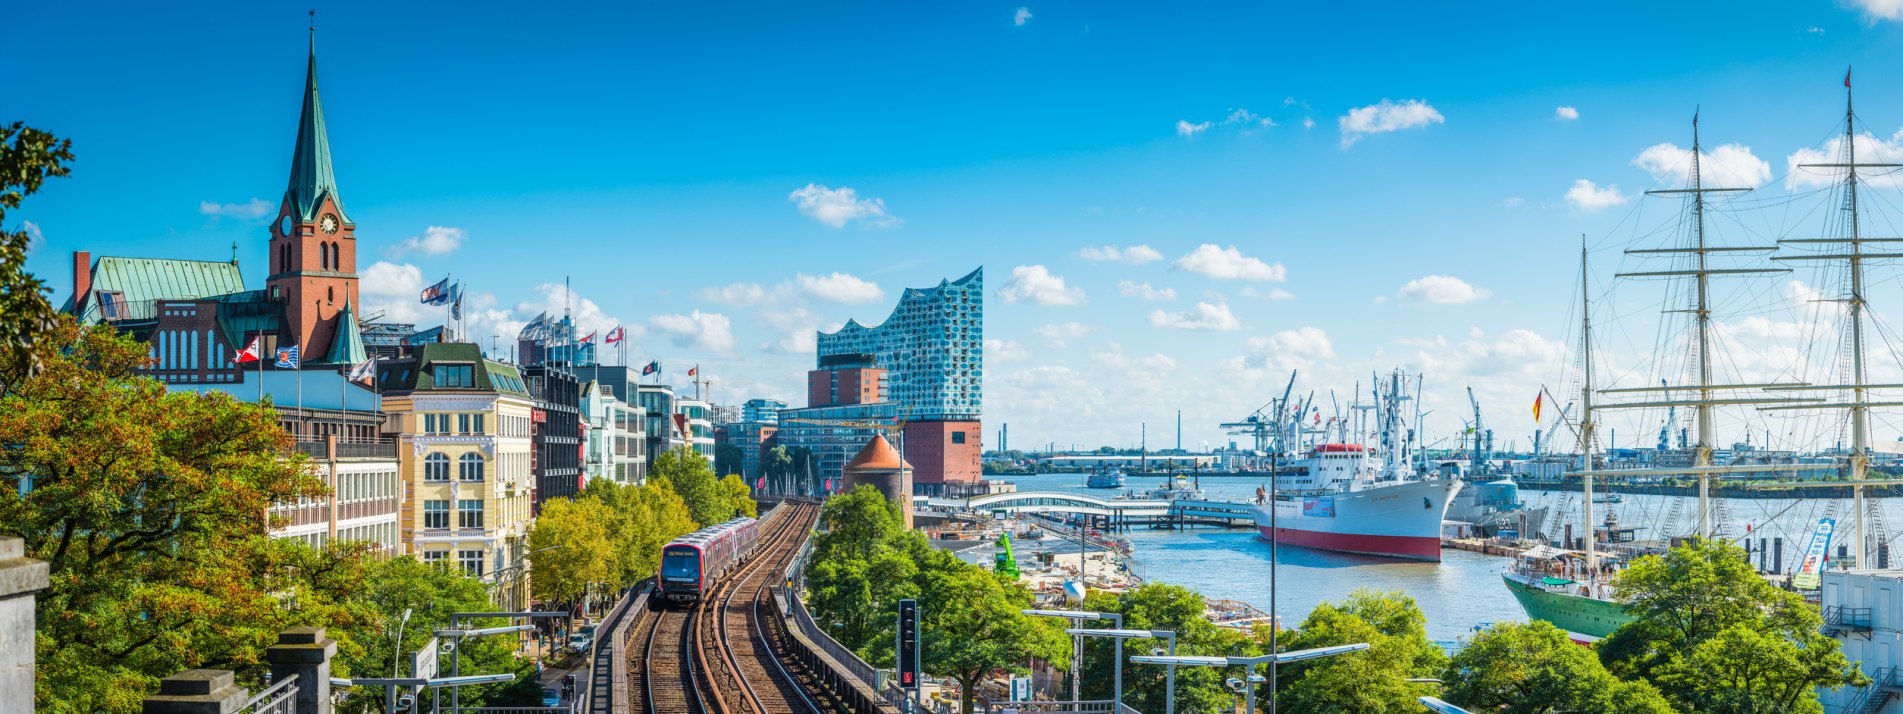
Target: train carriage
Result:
[691, 564]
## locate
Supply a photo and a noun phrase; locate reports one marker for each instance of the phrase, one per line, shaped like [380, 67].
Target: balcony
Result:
[346, 450]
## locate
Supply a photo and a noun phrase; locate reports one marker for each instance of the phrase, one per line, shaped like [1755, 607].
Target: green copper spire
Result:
[311, 176]
[347, 346]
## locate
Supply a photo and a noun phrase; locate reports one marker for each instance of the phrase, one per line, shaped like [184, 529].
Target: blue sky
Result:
[657, 156]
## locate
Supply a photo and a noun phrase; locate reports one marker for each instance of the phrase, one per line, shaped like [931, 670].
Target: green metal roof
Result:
[311, 174]
[418, 373]
[347, 346]
[144, 280]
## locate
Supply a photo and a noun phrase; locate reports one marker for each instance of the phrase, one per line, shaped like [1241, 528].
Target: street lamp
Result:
[1250, 663]
[1440, 707]
[1077, 617]
[1169, 705]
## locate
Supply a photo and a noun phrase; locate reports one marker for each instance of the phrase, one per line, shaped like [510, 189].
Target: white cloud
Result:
[838, 206]
[1023, 15]
[840, 288]
[1728, 166]
[436, 240]
[1815, 30]
[1588, 197]
[1005, 351]
[1514, 202]
[1203, 316]
[1135, 289]
[1112, 356]
[737, 294]
[1287, 350]
[1385, 117]
[1870, 149]
[1248, 118]
[34, 238]
[1273, 294]
[392, 289]
[1441, 290]
[1566, 114]
[251, 210]
[700, 330]
[1213, 261]
[1057, 335]
[1874, 10]
[1308, 122]
[1134, 255]
[1184, 128]
[1035, 283]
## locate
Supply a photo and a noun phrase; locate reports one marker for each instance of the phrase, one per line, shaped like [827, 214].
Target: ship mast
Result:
[1701, 252]
[1860, 403]
[1585, 413]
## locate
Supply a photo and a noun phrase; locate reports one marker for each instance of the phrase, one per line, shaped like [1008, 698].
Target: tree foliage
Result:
[148, 506]
[1713, 636]
[572, 552]
[636, 522]
[709, 500]
[28, 157]
[1370, 681]
[728, 459]
[1158, 606]
[1534, 668]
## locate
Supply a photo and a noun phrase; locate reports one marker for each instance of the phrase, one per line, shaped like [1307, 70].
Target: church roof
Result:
[311, 174]
[878, 455]
[141, 281]
[347, 346]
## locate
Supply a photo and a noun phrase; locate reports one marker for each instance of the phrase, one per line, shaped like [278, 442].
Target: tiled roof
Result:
[418, 374]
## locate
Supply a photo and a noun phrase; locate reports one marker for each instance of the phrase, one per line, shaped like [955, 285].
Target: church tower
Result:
[313, 255]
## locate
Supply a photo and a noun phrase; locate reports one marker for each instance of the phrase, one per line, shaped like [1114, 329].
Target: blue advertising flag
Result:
[287, 357]
[436, 294]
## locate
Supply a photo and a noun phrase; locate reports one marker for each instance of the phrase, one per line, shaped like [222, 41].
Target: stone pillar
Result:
[304, 652]
[20, 577]
[197, 691]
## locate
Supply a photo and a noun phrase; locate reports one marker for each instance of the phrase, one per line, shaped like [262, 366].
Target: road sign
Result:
[423, 664]
[1020, 689]
[908, 644]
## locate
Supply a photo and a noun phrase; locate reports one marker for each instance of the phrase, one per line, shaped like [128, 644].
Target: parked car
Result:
[579, 643]
[551, 697]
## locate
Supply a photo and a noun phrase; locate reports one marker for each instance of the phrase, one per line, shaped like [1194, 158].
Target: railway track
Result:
[725, 655]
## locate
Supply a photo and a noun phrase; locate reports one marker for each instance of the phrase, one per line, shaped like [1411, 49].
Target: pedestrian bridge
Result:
[1120, 511]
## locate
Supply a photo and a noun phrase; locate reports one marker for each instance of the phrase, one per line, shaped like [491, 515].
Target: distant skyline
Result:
[1174, 206]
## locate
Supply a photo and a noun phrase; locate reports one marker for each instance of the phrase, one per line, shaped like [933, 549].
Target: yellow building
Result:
[463, 441]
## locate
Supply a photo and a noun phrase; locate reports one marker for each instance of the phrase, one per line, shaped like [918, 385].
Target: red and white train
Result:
[691, 564]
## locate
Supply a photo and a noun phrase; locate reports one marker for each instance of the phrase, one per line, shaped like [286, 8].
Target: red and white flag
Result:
[615, 335]
[589, 339]
[248, 354]
[694, 370]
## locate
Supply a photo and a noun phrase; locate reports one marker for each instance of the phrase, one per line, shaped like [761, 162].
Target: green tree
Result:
[572, 549]
[1158, 606]
[777, 464]
[1370, 681]
[148, 507]
[972, 625]
[693, 478]
[727, 459]
[1533, 668]
[28, 157]
[1704, 592]
[739, 496]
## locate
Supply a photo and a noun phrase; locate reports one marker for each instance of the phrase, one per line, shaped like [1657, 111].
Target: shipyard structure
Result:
[916, 378]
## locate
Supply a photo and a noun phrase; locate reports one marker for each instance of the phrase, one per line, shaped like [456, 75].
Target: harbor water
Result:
[1461, 592]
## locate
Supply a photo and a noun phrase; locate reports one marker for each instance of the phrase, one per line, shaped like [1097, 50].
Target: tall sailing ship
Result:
[1572, 589]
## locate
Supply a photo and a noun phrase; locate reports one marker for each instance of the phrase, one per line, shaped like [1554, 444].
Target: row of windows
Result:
[468, 513]
[382, 534]
[436, 467]
[513, 425]
[461, 423]
[470, 560]
[366, 486]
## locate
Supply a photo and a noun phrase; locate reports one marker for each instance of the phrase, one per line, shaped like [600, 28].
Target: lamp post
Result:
[1249, 662]
[456, 635]
[1169, 705]
[1439, 707]
[1077, 617]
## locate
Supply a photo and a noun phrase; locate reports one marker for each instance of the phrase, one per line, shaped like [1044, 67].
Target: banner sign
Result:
[1810, 573]
[1319, 507]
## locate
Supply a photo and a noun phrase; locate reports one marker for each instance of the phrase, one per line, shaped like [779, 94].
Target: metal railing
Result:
[349, 450]
[279, 698]
[1873, 697]
[1105, 706]
[1847, 617]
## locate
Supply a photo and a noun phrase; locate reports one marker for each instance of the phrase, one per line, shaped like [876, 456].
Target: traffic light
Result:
[908, 644]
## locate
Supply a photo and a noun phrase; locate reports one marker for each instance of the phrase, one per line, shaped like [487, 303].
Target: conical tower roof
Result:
[347, 347]
[311, 174]
[878, 455]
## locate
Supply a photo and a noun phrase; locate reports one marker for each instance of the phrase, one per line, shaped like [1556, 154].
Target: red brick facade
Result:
[313, 271]
[851, 385]
[943, 452]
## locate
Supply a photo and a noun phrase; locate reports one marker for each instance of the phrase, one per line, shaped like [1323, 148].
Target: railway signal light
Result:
[908, 644]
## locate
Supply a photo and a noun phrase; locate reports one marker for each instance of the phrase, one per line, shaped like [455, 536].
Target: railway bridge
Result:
[1113, 513]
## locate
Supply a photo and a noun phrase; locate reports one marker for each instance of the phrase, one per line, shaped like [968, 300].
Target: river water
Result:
[1461, 592]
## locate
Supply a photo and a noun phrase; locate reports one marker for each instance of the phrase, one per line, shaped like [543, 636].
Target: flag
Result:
[361, 371]
[1846, 78]
[694, 370]
[615, 335]
[456, 301]
[248, 354]
[287, 357]
[1536, 407]
[651, 368]
[761, 485]
[588, 339]
[436, 294]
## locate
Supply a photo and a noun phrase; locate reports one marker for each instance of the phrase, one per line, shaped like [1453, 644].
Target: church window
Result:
[336, 257]
[323, 255]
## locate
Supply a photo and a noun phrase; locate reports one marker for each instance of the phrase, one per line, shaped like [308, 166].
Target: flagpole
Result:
[260, 356]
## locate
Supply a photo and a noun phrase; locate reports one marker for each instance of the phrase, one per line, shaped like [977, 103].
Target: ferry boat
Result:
[1108, 478]
[1179, 488]
[1337, 499]
[1563, 588]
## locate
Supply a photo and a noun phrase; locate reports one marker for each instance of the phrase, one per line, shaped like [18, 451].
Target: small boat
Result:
[1609, 498]
[1180, 488]
[1109, 478]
